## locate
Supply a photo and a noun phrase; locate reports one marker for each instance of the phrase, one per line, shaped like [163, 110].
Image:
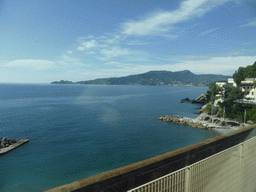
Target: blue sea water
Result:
[77, 131]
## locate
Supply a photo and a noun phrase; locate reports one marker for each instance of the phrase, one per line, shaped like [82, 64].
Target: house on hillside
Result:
[221, 84]
[248, 86]
[231, 82]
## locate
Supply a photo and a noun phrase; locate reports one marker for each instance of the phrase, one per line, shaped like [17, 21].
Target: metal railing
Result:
[233, 169]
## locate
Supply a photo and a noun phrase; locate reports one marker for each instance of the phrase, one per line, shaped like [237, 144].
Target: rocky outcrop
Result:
[7, 145]
[201, 99]
[6, 142]
[177, 119]
[186, 100]
[205, 121]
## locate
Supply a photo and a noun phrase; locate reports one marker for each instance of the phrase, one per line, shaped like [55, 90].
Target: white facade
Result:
[221, 84]
[231, 82]
[248, 86]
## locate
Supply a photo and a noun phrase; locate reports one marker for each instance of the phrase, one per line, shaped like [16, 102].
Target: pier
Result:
[13, 146]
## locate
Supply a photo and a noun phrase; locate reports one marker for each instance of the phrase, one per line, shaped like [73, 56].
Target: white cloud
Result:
[163, 21]
[80, 48]
[68, 62]
[90, 44]
[90, 52]
[31, 63]
[69, 52]
[250, 24]
[112, 63]
[208, 31]
[87, 45]
[113, 39]
[114, 52]
[214, 65]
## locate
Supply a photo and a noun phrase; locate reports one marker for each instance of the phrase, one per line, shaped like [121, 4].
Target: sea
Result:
[77, 131]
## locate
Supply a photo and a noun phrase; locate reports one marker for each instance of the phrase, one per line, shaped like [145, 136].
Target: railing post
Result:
[187, 179]
[241, 166]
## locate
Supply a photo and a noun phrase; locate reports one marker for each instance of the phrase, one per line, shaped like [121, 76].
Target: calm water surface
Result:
[77, 131]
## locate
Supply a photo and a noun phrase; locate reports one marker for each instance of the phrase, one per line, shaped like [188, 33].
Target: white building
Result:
[231, 82]
[221, 84]
[248, 86]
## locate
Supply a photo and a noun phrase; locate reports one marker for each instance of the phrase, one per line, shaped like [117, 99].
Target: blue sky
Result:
[44, 41]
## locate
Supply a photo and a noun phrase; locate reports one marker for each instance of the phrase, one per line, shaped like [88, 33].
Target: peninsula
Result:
[178, 78]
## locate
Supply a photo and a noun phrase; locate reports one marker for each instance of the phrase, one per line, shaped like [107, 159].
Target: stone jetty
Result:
[7, 145]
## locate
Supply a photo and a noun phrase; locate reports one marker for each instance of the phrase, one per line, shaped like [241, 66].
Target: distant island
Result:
[179, 78]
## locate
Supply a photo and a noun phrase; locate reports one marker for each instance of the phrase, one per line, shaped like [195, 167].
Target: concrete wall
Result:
[134, 175]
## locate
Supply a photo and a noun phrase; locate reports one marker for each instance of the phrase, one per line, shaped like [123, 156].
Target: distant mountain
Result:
[178, 78]
[62, 82]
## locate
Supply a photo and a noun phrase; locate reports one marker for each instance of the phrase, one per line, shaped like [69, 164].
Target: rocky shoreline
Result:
[178, 119]
[204, 121]
[6, 142]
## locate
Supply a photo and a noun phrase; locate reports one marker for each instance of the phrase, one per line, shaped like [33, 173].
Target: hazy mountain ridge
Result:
[185, 77]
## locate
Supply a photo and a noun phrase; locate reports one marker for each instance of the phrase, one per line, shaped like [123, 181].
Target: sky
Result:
[45, 41]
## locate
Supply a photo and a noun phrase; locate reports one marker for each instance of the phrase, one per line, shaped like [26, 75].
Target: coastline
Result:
[204, 121]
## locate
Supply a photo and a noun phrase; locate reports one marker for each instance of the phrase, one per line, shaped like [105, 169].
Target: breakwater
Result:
[14, 144]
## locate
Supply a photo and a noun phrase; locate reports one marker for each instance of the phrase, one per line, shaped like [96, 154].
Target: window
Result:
[252, 92]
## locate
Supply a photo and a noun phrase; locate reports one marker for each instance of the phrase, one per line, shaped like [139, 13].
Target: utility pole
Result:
[244, 115]
[224, 101]
[211, 112]
[224, 113]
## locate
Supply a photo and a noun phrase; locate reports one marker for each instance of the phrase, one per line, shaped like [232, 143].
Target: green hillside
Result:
[159, 78]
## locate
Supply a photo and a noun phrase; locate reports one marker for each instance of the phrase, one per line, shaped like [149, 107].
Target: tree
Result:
[235, 94]
[233, 110]
[214, 90]
[238, 76]
[242, 73]
[252, 114]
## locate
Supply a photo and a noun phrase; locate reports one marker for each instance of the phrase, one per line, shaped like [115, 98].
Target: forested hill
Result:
[244, 72]
[156, 78]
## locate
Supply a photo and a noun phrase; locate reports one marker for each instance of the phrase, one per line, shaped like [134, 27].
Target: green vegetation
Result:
[214, 90]
[251, 114]
[159, 78]
[244, 72]
[233, 110]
